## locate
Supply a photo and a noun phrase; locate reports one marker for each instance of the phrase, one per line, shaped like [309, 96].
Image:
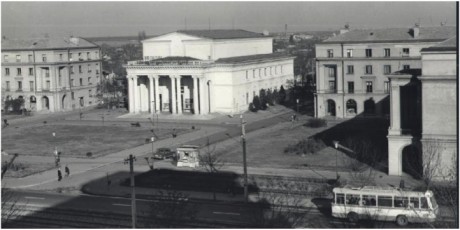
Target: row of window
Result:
[265, 71]
[386, 52]
[369, 86]
[47, 74]
[368, 69]
[382, 201]
[47, 85]
[61, 57]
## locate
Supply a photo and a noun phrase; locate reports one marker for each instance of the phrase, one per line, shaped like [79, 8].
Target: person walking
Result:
[59, 174]
[67, 171]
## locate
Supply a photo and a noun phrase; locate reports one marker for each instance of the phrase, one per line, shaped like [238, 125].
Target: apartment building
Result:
[51, 74]
[353, 67]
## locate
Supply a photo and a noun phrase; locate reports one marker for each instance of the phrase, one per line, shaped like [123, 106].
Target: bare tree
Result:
[363, 158]
[211, 161]
[172, 207]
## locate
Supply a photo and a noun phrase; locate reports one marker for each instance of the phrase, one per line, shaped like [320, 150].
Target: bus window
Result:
[369, 200]
[424, 203]
[415, 202]
[385, 201]
[352, 199]
[340, 198]
[400, 202]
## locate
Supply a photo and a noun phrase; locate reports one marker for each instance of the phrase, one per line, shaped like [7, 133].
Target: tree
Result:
[171, 209]
[256, 103]
[211, 161]
[269, 97]
[16, 105]
[263, 99]
[281, 96]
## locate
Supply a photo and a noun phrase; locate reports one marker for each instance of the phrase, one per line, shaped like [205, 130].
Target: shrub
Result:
[89, 154]
[316, 123]
[308, 146]
[252, 108]
[256, 102]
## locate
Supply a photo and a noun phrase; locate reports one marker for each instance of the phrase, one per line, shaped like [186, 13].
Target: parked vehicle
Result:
[163, 153]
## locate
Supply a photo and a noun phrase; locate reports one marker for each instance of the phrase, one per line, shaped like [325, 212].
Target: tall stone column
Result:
[137, 100]
[195, 95]
[131, 94]
[203, 99]
[179, 95]
[395, 102]
[157, 94]
[173, 93]
[151, 95]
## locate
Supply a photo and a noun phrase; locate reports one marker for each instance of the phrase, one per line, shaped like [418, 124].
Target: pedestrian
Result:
[294, 117]
[67, 171]
[59, 174]
[5, 122]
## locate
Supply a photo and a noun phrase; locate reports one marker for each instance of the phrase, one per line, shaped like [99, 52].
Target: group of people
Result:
[67, 172]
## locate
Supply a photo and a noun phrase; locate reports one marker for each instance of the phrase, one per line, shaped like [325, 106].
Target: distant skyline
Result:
[95, 19]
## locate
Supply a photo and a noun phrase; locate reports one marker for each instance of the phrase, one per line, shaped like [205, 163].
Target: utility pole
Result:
[7, 166]
[243, 141]
[131, 160]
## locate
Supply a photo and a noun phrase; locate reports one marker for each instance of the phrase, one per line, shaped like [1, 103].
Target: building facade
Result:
[51, 74]
[353, 67]
[431, 133]
[205, 71]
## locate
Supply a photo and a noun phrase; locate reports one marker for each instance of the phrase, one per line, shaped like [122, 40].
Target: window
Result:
[386, 87]
[97, 54]
[339, 198]
[368, 52]
[19, 85]
[19, 71]
[260, 73]
[332, 85]
[8, 86]
[387, 52]
[44, 57]
[265, 71]
[401, 202]
[5, 58]
[31, 71]
[7, 71]
[71, 83]
[405, 51]
[48, 85]
[423, 203]
[89, 68]
[414, 202]
[72, 95]
[18, 58]
[330, 53]
[70, 56]
[369, 200]
[331, 72]
[368, 86]
[81, 81]
[246, 75]
[385, 201]
[60, 57]
[352, 199]
[71, 69]
[30, 58]
[47, 72]
[60, 80]
[271, 73]
[89, 81]
[368, 69]
[90, 93]
[406, 66]
[88, 55]
[79, 56]
[349, 53]
[247, 98]
[350, 69]
[31, 84]
[79, 69]
[387, 69]
[351, 87]
[281, 69]
[253, 73]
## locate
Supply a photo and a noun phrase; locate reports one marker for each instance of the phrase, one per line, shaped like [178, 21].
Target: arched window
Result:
[352, 107]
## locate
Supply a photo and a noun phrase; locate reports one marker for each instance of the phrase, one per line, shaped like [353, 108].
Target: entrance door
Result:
[331, 107]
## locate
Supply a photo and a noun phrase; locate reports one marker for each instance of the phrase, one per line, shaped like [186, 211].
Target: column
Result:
[195, 95]
[151, 93]
[179, 95]
[131, 94]
[136, 95]
[157, 94]
[395, 110]
[203, 100]
[173, 93]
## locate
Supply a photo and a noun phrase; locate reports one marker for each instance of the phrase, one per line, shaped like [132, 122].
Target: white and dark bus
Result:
[384, 204]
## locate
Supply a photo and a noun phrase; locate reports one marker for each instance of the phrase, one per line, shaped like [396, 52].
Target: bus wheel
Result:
[353, 217]
[401, 220]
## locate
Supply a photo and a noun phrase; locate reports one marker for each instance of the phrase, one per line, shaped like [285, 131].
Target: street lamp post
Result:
[297, 103]
[243, 140]
[153, 159]
[56, 153]
[336, 146]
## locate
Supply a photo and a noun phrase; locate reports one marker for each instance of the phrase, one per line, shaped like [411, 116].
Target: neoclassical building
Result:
[423, 131]
[353, 67]
[51, 74]
[205, 71]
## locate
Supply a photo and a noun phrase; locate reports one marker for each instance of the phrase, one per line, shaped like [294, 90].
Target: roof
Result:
[394, 35]
[176, 58]
[46, 43]
[257, 57]
[447, 45]
[222, 34]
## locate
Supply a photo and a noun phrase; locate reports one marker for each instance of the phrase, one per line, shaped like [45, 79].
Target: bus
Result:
[384, 204]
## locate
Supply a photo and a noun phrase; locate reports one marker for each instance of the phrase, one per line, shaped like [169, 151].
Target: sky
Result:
[127, 18]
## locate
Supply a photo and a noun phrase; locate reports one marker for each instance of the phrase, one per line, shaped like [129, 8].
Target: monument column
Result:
[136, 95]
[151, 95]
[157, 94]
[131, 94]
[173, 93]
[179, 95]
[195, 95]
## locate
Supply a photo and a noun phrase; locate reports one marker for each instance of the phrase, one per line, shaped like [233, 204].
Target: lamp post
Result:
[56, 153]
[336, 146]
[243, 141]
[297, 104]
[153, 159]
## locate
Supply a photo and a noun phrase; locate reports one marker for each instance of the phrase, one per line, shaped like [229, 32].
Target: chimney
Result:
[345, 29]
[74, 40]
[416, 30]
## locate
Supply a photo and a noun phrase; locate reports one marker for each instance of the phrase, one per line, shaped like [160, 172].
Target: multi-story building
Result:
[422, 138]
[353, 67]
[51, 74]
[205, 71]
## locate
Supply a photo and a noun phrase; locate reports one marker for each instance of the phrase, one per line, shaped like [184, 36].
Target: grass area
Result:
[77, 140]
